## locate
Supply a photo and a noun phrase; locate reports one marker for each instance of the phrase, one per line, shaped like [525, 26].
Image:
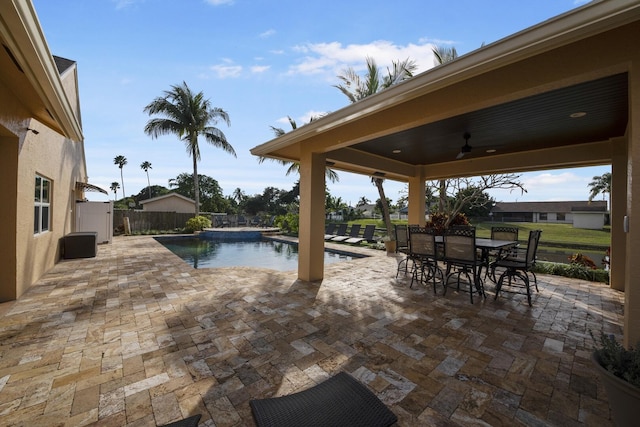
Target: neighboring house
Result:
[41, 150]
[172, 202]
[582, 214]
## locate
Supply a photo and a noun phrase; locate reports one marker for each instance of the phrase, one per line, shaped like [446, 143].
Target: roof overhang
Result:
[515, 97]
[29, 71]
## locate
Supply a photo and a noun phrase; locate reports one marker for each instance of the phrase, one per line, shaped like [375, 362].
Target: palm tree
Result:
[443, 55]
[600, 184]
[145, 166]
[294, 167]
[356, 88]
[121, 161]
[188, 116]
[115, 186]
[363, 201]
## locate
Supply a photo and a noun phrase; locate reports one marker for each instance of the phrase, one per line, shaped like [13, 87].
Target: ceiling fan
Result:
[466, 148]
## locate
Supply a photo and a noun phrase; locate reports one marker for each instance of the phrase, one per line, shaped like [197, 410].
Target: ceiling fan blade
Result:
[460, 155]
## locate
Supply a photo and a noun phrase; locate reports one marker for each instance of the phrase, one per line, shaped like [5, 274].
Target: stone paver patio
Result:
[136, 337]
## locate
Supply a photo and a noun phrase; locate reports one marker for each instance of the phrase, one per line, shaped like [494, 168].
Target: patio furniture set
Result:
[338, 233]
[457, 253]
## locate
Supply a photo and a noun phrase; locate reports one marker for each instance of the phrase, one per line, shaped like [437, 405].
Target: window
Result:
[42, 202]
[543, 217]
[560, 216]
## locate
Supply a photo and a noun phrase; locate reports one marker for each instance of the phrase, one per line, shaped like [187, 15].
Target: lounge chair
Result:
[367, 235]
[354, 232]
[341, 230]
[242, 221]
[329, 231]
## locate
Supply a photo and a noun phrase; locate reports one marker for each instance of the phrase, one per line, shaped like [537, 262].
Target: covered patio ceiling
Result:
[596, 110]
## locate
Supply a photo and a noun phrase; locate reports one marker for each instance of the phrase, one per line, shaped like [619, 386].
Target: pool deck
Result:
[136, 337]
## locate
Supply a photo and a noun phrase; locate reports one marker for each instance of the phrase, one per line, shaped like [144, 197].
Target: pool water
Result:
[205, 253]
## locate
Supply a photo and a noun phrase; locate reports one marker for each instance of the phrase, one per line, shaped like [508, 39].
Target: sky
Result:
[261, 61]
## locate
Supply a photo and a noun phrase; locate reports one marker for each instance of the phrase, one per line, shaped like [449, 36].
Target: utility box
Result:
[80, 245]
[97, 217]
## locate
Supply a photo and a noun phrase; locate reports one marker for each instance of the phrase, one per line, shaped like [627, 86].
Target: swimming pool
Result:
[263, 253]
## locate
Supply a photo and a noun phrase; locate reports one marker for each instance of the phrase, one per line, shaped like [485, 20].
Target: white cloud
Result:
[332, 58]
[267, 33]
[219, 2]
[260, 68]
[227, 69]
[122, 4]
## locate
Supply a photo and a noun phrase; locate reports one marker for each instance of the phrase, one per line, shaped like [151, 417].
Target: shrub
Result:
[288, 223]
[621, 362]
[438, 220]
[575, 271]
[197, 223]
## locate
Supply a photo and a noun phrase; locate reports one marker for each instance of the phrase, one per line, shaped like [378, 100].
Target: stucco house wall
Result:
[169, 203]
[589, 220]
[36, 95]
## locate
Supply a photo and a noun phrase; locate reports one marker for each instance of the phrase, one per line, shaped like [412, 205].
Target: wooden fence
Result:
[141, 221]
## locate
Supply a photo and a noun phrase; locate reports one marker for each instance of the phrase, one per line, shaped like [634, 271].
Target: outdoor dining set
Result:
[448, 257]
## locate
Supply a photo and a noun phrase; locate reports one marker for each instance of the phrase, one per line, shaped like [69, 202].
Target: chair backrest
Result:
[532, 247]
[422, 241]
[460, 244]
[355, 230]
[341, 230]
[504, 233]
[369, 231]
[402, 236]
[330, 228]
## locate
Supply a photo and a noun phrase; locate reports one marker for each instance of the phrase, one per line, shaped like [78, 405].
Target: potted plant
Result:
[389, 244]
[619, 371]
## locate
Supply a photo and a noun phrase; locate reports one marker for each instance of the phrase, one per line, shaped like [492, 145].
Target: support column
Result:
[632, 273]
[8, 217]
[417, 200]
[312, 215]
[618, 209]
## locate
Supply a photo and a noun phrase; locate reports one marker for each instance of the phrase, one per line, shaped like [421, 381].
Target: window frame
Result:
[42, 205]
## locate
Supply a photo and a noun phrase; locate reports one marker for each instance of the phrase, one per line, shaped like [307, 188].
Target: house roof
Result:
[165, 196]
[559, 207]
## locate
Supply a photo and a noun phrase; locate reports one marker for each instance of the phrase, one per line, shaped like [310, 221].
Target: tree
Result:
[115, 186]
[145, 166]
[188, 116]
[294, 167]
[121, 161]
[356, 88]
[600, 184]
[443, 55]
[470, 193]
[363, 201]
[210, 191]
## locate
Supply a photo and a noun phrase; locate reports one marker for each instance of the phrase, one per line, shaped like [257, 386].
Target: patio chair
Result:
[241, 220]
[502, 233]
[461, 257]
[423, 253]
[340, 230]
[255, 221]
[519, 267]
[402, 246]
[354, 232]
[367, 235]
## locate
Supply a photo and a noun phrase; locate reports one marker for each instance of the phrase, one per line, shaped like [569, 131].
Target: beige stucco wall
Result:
[23, 154]
[170, 204]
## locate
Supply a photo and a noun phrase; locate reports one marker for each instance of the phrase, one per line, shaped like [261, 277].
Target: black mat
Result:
[339, 401]
[192, 421]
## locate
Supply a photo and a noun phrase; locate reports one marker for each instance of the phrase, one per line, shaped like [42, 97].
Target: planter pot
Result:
[624, 398]
[390, 245]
